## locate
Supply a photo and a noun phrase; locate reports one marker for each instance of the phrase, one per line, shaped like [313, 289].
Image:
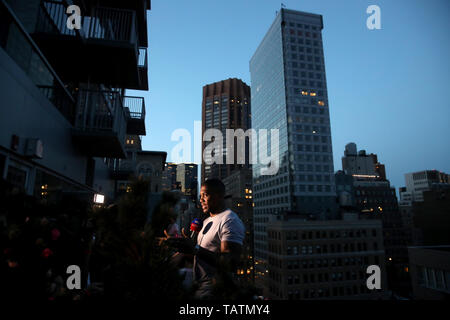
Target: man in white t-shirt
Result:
[219, 242]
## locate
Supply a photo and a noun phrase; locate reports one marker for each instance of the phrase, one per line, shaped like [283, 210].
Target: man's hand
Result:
[183, 245]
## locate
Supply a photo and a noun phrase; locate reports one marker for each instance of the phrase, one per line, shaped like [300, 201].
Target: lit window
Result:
[304, 93]
[312, 94]
[321, 103]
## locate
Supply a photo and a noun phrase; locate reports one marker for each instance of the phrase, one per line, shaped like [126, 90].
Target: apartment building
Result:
[66, 121]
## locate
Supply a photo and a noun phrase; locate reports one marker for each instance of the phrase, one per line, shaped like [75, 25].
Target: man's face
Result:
[208, 201]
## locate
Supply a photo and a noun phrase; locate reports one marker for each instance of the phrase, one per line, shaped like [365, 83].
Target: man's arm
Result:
[230, 254]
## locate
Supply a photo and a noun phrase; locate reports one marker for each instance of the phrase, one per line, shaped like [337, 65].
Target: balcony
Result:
[122, 169]
[104, 50]
[100, 124]
[135, 114]
[139, 6]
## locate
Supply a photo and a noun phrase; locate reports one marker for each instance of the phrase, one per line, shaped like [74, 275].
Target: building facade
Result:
[374, 198]
[225, 105]
[187, 176]
[432, 217]
[324, 259]
[430, 272]
[65, 118]
[418, 182]
[289, 93]
[360, 164]
[239, 197]
[169, 178]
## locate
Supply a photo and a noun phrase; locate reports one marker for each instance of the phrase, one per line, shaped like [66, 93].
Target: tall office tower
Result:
[188, 178]
[226, 105]
[289, 93]
[169, 177]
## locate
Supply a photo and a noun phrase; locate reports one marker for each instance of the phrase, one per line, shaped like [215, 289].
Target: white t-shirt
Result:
[225, 226]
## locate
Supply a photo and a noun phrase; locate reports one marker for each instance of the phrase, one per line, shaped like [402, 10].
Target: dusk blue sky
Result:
[388, 89]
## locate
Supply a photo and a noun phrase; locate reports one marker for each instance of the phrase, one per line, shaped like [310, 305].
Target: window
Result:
[431, 277]
[17, 177]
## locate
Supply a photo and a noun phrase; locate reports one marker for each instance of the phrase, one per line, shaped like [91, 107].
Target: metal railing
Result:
[52, 18]
[99, 111]
[134, 107]
[100, 23]
[142, 57]
[112, 24]
[58, 97]
[22, 49]
[123, 165]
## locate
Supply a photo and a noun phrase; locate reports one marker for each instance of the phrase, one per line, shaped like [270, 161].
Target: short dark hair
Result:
[215, 186]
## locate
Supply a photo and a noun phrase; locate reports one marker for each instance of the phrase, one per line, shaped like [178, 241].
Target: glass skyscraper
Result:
[289, 93]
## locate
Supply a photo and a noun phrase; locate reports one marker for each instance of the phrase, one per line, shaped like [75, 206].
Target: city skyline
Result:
[382, 69]
[312, 120]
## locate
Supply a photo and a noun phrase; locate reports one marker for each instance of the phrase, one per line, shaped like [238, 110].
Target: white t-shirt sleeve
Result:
[232, 230]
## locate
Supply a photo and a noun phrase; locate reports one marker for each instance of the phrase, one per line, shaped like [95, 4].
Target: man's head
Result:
[212, 193]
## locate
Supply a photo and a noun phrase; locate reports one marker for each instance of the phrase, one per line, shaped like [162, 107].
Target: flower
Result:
[55, 234]
[46, 253]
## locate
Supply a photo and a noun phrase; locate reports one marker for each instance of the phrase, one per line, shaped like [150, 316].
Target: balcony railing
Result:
[134, 107]
[122, 169]
[100, 111]
[58, 96]
[112, 24]
[142, 68]
[52, 18]
[22, 49]
[142, 57]
[100, 23]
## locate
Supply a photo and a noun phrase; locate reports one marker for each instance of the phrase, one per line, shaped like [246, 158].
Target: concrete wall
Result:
[26, 112]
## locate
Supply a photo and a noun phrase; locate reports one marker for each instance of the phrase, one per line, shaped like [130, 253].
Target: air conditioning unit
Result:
[34, 148]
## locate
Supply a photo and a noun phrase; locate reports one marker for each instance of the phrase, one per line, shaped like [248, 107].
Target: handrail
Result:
[100, 110]
[142, 57]
[56, 18]
[101, 23]
[135, 106]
